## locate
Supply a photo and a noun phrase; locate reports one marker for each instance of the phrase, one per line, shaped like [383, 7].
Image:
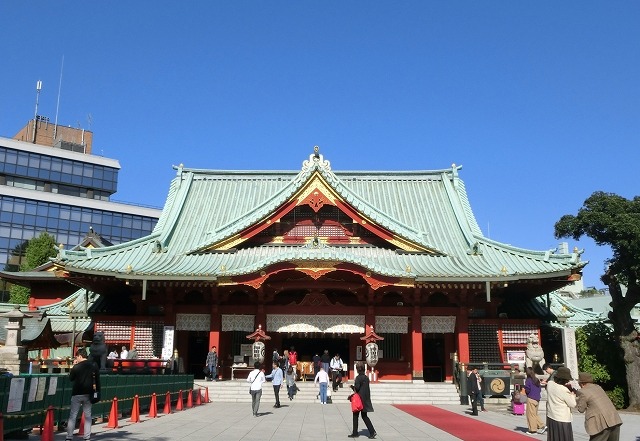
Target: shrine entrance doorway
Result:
[433, 356]
[307, 347]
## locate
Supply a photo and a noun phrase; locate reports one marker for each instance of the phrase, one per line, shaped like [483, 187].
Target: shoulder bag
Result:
[254, 380]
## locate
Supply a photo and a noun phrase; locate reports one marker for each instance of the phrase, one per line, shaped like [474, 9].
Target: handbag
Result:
[206, 370]
[356, 402]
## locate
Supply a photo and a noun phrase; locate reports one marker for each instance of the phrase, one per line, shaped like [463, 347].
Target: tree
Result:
[38, 251]
[594, 343]
[613, 220]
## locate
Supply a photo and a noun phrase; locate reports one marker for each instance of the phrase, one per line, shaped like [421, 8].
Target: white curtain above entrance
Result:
[347, 324]
[438, 324]
[391, 324]
[232, 322]
[193, 322]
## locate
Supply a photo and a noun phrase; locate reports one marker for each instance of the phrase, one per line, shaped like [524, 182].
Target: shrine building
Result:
[315, 258]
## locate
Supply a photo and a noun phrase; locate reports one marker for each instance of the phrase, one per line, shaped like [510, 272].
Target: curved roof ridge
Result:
[78, 301]
[386, 173]
[545, 255]
[573, 308]
[316, 163]
[245, 220]
[93, 252]
[318, 254]
[378, 216]
[173, 189]
[453, 194]
[182, 186]
[466, 206]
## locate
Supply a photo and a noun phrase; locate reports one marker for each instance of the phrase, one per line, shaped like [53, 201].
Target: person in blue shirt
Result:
[276, 378]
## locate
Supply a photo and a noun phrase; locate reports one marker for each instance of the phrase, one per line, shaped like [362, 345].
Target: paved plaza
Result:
[314, 422]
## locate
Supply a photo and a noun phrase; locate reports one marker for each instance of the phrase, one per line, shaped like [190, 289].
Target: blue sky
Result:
[538, 101]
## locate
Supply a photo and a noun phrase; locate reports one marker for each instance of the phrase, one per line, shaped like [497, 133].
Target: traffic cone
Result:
[199, 398]
[153, 407]
[135, 410]
[81, 428]
[206, 395]
[190, 399]
[179, 405]
[167, 404]
[113, 415]
[47, 430]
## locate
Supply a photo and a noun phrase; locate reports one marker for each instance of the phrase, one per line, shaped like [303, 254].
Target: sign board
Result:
[516, 357]
[246, 350]
[167, 343]
[570, 351]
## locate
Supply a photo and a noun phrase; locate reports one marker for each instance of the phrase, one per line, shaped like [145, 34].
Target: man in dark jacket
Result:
[85, 377]
[473, 389]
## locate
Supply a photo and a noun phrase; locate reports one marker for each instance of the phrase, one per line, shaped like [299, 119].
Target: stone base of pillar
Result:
[417, 375]
[14, 359]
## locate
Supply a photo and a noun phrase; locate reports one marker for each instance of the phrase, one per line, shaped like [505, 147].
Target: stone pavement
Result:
[313, 422]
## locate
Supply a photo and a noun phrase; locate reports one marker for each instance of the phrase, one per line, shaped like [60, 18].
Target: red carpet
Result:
[460, 426]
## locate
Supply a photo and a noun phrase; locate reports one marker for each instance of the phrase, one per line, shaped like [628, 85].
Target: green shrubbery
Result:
[601, 356]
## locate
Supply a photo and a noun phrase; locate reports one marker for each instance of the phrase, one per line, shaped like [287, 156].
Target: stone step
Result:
[383, 392]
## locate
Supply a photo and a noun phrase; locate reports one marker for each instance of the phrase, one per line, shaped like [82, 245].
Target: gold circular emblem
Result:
[497, 385]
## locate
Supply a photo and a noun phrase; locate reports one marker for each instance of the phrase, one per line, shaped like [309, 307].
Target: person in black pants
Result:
[276, 376]
[361, 387]
[85, 380]
[473, 389]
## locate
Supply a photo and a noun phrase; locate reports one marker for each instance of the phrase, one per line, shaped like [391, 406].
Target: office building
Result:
[55, 185]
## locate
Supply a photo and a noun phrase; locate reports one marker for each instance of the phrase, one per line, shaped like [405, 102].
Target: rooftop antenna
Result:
[55, 127]
[35, 116]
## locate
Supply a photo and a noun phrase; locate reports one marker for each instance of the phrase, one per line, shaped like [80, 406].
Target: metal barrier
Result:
[24, 399]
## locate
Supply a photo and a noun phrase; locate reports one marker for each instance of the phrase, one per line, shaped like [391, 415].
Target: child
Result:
[291, 383]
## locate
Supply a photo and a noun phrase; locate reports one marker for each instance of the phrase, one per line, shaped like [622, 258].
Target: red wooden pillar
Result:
[370, 314]
[417, 367]
[463, 335]
[449, 348]
[215, 325]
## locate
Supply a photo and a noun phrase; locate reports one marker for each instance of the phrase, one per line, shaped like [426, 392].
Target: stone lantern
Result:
[258, 347]
[13, 356]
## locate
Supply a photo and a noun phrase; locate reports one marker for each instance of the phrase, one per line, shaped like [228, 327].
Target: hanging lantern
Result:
[371, 354]
[258, 351]
[371, 347]
[258, 346]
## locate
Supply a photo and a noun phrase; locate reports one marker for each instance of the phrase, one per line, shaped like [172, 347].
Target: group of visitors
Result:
[257, 378]
[602, 421]
[474, 389]
[124, 354]
[283, 372]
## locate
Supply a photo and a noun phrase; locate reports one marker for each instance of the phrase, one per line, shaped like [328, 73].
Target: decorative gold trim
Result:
[226, 244]
[406, 282]
[314, 265]
[316, 183]
[225, 281]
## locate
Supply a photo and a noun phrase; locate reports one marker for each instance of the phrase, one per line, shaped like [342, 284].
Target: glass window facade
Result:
[58, 170]
[23, 219]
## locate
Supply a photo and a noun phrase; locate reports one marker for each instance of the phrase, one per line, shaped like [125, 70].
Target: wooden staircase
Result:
[387, 392]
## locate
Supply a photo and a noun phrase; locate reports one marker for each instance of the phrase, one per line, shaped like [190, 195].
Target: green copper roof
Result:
[429, 208]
